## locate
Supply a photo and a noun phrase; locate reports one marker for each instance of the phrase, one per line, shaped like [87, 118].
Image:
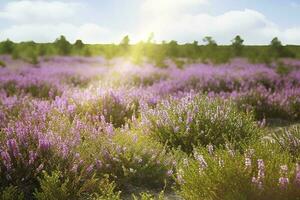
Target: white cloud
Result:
[291, 35]
[184, 25]
[157, 8]
[39, 11]
[181, 20]
[92, 33]
[44, 21]
[88, 33]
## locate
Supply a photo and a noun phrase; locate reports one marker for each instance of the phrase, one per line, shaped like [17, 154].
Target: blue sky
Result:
[106, 21]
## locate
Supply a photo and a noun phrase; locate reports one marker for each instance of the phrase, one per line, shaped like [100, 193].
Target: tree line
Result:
[157, 53]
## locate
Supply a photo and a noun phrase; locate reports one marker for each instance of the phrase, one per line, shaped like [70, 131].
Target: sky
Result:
[107, 21]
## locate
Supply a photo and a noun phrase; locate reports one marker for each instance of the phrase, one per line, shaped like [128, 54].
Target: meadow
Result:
[109, 128]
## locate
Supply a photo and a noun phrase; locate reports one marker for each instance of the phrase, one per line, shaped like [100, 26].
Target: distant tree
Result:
[237, 45]
[125, 41]
[277, 50]
[173, 48]
[276, 46]
[6, 47]
[195, 43]
[209, 53]
[209, 41]
[78, 44]
[124, 44]
[150, 38]
[62, 45]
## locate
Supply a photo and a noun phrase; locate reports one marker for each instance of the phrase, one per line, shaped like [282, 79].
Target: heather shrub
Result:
[148, 80]
[261, 106]
[196, 121]
[115, 109]
[56, 186]
[267, 104]
[282, 69]
[130, 159]
[42, 90]
[38, 89]
[52, 187]
[11, 193]
[148, 196]
[22, 159]
[2, 64]
[264, 172]
[77, 81]
[288, 139]
[107, 191]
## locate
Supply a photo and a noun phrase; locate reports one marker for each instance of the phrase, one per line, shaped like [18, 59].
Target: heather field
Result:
[77, 127]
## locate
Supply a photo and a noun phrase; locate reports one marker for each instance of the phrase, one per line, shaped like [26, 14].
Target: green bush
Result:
[131, 159]
[56, 186]
[227, 175]
[2, 64]
[264, 104]
[11, 193]
[289, 140]
[52, 187]
[148, 196]
[115, 108]
[107, 191]
[282, 69]
[196, 121]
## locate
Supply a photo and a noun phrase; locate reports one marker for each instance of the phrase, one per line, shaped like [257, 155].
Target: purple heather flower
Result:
[297, 178]
[261, 169]
[210, 149]
[185, 162]
[98, 164]
[248, 163]
[201, 161]
[74, 168]
[64, 150]
[6, 160]
[13, 147]
[283, 182]
[180, 176]
[32, 157]
[90, 168]
[169, 172]
[40, 168]
[44, 144]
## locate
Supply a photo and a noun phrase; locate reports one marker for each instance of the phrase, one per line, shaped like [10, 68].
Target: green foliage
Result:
[289, 140]
[131, 159]
[179, 63]
[6, 47]
[200, 121]
[78, 44]
[106, 191]
[52, 187]
[237, 45]
[282, 69]
[224, 175]
[2, 64]
[154, 52]
[55, 186]
[11, 193]
[40, 90]
[62, 46]
[112, 107]
[148, 196]
[277, 50]
[124, 45]
[209, 41]
[262, 107]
